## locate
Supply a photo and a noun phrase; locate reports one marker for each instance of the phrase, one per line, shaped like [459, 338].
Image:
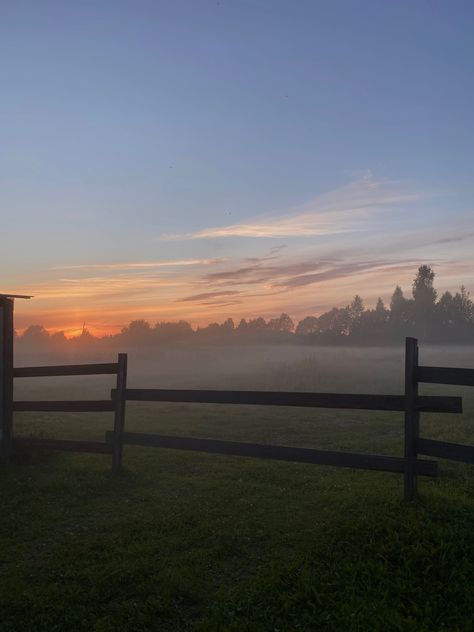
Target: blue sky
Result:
[147, 146]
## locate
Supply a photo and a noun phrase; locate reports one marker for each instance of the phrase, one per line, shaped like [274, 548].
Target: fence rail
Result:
[445, 450]
[277, 452]
[68, 445]
[79, 406]
[445, 375]
[109, 368]
[432, 403]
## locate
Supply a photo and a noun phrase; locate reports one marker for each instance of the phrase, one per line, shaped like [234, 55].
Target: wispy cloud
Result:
[345, 210]
[344, 270]
[140, 265]
[220, 304]
[206, 295]
[259, 273]
[296, 274]
[452, 239]
[104, 287]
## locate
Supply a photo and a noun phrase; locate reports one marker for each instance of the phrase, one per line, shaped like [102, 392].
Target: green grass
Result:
[188, 541]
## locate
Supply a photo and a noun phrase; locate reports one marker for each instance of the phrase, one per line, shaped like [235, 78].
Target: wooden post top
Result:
[2, 296]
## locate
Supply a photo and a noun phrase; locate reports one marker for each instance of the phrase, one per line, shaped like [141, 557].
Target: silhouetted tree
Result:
[283, 324]
[456, 315]
[373, 323]
[397, 305]
[58, 339]
[35, 334]
[400, 313]
[355, 311]
[424, 293]
[173, 330]
[228, 325]
[356, 308]
[381, 311]
[424, 301]
[256, 325]
[242, 326]
[335, 324]
[309, 326]
[138, 331]
[85, 337]
[464, 305]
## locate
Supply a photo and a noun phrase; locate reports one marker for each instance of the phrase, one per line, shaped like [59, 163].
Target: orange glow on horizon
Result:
[109, 302]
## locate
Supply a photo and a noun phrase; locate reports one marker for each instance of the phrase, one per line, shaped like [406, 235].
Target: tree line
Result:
[447, 318]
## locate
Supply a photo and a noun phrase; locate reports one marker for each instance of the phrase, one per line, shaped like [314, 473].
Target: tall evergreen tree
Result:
[424, 301]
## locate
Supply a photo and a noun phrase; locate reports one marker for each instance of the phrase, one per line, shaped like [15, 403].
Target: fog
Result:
[265, 367]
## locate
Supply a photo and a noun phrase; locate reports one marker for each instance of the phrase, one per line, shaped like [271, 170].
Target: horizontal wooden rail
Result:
[444, 450]
[63, 444]
[68, 369]
[79, 406]
[443, 404]
[280, 453]
[445, 375]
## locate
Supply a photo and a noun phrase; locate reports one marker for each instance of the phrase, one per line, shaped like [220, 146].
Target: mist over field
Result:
[267, 367]
[259, 367]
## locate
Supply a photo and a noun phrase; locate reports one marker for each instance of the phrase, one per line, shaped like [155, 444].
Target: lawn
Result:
[189, 541]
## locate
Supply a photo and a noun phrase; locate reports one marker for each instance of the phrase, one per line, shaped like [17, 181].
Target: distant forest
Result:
[445, 319]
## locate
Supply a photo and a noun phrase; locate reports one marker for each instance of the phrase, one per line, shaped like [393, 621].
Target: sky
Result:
[201, 160]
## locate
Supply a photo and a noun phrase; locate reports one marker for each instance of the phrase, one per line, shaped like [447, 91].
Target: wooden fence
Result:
[117, 406]
[443, 449]
[410, 403]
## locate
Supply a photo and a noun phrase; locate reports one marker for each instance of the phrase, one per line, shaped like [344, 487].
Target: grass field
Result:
[188, 541]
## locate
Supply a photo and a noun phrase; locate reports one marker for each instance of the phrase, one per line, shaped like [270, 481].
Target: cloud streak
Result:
[291, 276]
[342, 271]
[345, 210]
[141, 265]
[206, 295]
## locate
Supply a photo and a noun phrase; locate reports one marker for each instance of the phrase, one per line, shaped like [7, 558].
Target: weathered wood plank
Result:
[444, 450]
[80, 406]
[62, 444]
[6, 374]
[68, 369]
[412, 418]
[438, 404]
[281, 453]
[2, 380]
[445, 375]
[277, 398]
[119, 419]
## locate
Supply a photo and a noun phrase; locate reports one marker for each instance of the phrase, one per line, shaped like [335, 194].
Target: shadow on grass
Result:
[191, 543]
[407, 570]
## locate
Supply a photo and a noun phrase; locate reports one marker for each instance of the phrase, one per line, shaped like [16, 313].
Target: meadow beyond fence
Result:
[410, 403]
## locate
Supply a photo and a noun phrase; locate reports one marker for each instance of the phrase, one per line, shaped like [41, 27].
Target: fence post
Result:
[6, 374]
[119, 421]
[412, 417]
